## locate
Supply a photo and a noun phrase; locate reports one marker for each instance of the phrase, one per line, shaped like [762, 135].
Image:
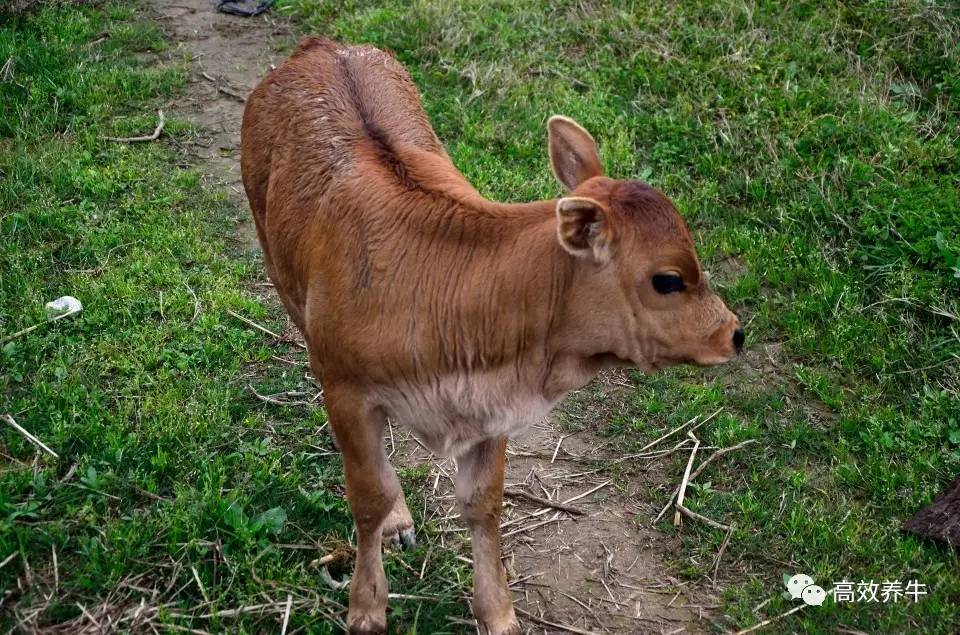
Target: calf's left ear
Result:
[573, 152]
[583, 228]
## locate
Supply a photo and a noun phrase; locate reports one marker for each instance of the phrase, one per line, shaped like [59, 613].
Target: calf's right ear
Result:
[573, 152]
[583, 228]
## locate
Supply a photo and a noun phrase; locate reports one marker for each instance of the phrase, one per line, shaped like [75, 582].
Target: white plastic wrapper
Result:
[62, 306]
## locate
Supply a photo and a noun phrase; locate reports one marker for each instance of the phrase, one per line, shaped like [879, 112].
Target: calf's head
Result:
[637, 252]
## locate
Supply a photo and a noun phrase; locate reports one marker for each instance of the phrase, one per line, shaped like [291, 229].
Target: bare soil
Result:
[602, 571]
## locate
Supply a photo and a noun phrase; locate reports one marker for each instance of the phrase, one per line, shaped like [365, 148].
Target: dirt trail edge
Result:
[601, 570]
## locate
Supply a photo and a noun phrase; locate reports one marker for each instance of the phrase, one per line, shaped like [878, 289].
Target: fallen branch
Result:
[322, 561]
[760, 625]
[543, 502]
[262, 329]
[640, 452]
[414, 598]
[275, 400]
[327, 579]
[723, 548]
[699, 470]
[150, 137]
[243, 610]
[12, 336]
[6, 73]
[520, 530]
[7, 560]
[286, 615]
[717, 455]
[563, 627]
[686, 478]
[226, 91]
[196, 303]
[587, 493]
[546, 510]
[29, 437]
[695, 516]
[557, 449]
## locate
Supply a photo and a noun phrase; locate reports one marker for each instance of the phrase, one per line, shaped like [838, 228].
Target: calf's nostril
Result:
[738, 340]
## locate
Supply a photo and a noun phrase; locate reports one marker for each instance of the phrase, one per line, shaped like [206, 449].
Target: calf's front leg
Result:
[480, 493]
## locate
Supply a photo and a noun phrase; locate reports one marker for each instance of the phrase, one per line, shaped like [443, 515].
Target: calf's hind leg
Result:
[480, 493]
[373, 493]
[398, 529]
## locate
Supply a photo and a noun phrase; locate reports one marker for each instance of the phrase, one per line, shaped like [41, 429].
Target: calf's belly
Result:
[455, 413]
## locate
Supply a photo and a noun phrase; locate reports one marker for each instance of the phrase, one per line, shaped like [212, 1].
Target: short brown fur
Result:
[461, 318]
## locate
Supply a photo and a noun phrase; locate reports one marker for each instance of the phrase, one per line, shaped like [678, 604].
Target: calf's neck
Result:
[458, 317]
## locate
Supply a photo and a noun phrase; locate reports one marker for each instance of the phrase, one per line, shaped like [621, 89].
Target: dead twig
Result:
[587, 493]
[415, 598]
[563, 627]
[262, 329]
[243, 610]
[760, 625]
[29, 437]
[543, 502]
[223, 89]
[6, 73]
[7, 560]
[196, 303]
[393, 443]
[695, 516]
[150, 137]
[546, 510]
[276, 399]
[286, 615]
[56, 569]
[587, 608]
[323, 561]
[12, 336]
[557, 449]
[327, 579]
[717, 455]
[90, 617]
[699, 470]
[686, 478]
[723, 548]
[639, 453]
[519, 530]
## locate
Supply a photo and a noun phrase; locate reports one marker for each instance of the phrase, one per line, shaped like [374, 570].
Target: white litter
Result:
[62, 306]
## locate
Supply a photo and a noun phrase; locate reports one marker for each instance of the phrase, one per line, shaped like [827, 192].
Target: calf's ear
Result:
[573, 152]
[583, 228]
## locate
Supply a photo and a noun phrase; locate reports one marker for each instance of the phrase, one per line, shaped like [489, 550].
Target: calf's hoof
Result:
[366, 625]
[400, 539]
[505, 627]
[398, 529]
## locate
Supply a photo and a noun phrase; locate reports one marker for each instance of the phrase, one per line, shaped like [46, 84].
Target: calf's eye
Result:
[666, 283]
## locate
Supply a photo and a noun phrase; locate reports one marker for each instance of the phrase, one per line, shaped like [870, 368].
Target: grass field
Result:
[812, 147]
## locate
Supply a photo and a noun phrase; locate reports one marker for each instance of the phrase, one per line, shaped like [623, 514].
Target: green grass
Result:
[167, 462]
[812, 148]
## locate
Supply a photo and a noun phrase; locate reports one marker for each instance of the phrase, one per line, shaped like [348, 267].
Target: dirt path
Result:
[228, 56]
[602, 571]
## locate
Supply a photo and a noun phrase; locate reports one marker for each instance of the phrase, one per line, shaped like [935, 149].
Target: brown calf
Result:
[458, 317]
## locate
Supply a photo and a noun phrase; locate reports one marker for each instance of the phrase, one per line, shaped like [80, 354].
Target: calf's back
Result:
[403, 279]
